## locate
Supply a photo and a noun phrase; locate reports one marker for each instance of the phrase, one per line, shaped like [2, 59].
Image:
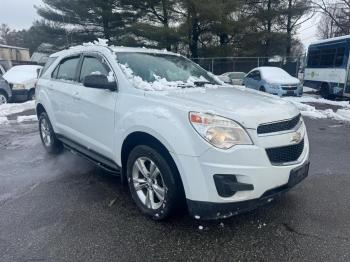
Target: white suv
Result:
[176, 133]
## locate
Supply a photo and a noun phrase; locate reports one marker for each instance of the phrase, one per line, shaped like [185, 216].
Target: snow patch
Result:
[31, 118]
[162, 84]
[3, 120]
[342, 114]
[9, 109]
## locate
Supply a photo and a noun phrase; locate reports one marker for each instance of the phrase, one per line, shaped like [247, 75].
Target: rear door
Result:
[61, 90]
[95, 121]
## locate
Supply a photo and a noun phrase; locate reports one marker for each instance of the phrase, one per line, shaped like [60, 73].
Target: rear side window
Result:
[93, 65]
[67, 69]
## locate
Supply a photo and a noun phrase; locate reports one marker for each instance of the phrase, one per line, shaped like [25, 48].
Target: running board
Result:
[93, 157]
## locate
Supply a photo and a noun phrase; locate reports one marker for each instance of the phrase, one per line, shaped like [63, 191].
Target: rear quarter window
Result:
[49, 62]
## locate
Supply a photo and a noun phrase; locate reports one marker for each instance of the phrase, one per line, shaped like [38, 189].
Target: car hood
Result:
[248, 107]
[285, 80]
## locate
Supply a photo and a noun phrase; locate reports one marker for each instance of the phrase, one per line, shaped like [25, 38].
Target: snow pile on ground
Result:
[342, 114]
[10, 109]
[31, 118]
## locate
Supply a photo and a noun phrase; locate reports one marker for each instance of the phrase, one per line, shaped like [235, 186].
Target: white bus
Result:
[327, 68]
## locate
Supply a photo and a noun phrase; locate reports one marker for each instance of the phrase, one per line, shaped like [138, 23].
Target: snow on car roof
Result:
[102, 44]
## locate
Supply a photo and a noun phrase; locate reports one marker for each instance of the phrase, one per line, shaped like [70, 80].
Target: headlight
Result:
[273, 86]
[18, 86]
[219, 131]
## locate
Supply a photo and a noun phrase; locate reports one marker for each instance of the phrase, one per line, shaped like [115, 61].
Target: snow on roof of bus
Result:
[331, 39]
[102, 43]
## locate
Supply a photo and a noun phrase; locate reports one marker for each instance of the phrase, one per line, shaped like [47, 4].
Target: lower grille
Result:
[285, 154]
[289, 87]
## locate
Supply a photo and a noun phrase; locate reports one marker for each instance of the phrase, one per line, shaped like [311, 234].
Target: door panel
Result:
[95, 121]
[61, 90]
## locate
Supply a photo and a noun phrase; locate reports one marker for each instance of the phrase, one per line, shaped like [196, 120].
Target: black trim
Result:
[94, 157]
[212, 210]
[279, 126]
[227, 185]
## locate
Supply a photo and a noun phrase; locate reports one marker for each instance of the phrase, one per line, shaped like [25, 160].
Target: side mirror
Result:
[99, 82]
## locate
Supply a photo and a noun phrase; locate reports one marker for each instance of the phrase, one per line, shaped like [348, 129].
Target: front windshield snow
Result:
[152, 71]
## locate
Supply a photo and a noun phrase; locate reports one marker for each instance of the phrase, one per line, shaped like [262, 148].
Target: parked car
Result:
[22, 80]
[5, 91]
[273, 80]
[234, 78]
[171, 130]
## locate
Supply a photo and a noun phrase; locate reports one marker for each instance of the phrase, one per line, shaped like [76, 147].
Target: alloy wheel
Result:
[148, 183]
[45, 132]
[3, 99]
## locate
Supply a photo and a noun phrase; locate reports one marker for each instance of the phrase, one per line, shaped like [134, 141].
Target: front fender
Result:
[42, 98]
[170, 126]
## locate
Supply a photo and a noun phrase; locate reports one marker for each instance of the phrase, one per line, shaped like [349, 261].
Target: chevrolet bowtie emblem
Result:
[296, 138]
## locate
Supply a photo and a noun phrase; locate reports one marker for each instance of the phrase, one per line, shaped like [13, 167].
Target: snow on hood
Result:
[276, 75]
[247, 106]
[22, 74]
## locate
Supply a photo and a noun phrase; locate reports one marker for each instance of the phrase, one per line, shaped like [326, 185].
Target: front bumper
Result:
[250, 165]
[19, 94]
[283, 92]
[210, 210]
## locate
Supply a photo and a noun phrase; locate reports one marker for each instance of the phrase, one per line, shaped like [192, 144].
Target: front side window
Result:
[93, 65]
[67, 69]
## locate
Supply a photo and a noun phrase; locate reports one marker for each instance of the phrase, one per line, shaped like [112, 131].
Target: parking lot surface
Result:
[65, 209]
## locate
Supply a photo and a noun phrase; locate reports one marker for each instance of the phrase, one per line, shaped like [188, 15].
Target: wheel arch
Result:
[142, 138]
[39, 109]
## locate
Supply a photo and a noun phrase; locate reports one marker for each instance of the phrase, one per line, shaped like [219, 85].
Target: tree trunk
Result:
[193, 29]
[289, 30]
[166, 25]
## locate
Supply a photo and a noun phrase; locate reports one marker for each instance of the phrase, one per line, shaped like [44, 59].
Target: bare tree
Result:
[335, 19]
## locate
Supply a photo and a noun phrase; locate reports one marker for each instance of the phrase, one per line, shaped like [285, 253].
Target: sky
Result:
[20, 14]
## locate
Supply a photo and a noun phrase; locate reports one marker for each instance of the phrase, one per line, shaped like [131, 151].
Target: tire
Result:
[262, 89]
[48, 138]
[3, 98]
[147, 189]
[31, 94]
[324, 92]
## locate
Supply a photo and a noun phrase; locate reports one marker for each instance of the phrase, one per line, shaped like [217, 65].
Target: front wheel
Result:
[3, 99]
[47, 135]
[153, 184]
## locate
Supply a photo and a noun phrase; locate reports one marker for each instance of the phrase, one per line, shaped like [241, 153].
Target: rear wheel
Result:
[262, 89]
[47, 135]
[153, 184]
[325, 92]
[3, 98]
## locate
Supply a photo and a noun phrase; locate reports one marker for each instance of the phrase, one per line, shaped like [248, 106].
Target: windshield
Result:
[167, 70]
